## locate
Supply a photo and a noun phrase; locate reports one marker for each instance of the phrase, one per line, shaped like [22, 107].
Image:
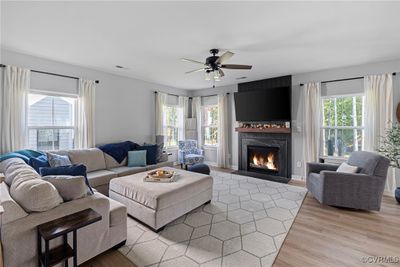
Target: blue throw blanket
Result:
[25, 155]
[118, 151]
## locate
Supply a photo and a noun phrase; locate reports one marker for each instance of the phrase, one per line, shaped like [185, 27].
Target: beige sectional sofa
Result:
[18, 228]
[101, 167]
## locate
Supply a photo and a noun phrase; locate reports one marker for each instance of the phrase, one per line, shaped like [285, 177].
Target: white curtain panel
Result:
[378, 114]
[223, 140]
[196, 113]
[161, 101]
[13, 105]
[312, 121]
[85, 137]
[378, 108]
[183, 103]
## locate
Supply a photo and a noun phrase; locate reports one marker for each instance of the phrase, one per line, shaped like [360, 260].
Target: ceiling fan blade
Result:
[221, 73]
[192, 61]
[236, 67]
[224, 57]
[192, 71]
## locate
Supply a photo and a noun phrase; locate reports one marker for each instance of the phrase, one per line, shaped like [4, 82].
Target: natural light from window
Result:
[51, 122]
[342, 125]
[172, 125]
[210, 125]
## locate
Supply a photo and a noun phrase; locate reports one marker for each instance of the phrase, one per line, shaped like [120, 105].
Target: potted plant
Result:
[390, 148]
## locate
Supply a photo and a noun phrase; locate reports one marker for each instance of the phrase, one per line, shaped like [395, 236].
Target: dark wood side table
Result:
[61, 227]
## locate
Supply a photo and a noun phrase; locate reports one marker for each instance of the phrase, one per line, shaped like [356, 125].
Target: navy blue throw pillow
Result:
[39, 162]
[73, 170]
[151, 154]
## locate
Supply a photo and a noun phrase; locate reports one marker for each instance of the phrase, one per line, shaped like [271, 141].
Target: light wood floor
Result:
[323, 236]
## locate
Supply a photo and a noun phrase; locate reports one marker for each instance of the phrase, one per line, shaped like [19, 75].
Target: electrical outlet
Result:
[298, 164]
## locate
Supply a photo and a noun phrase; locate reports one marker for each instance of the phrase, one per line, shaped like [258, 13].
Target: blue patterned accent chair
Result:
[189, 153]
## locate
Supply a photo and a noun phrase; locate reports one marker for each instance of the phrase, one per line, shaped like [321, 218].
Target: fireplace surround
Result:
[265, 147]
[254, 149]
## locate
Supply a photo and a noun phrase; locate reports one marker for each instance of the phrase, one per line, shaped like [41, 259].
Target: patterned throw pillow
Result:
[56, 160]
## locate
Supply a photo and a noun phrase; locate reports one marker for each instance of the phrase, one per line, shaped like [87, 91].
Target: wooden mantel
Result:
[263, 130]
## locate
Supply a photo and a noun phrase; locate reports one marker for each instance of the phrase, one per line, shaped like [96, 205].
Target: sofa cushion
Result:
[69, 187]
[92, 158]
[117, 213]
[73, 170]
[32, 193]
[125, 170]
[12, 211]
[158, 196]
[112, 163]
[10, 168]
[101, 177]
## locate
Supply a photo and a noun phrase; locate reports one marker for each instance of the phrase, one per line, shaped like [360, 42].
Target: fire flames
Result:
[268, 163]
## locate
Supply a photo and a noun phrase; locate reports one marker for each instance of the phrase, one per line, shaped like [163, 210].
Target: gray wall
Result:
[125, 107]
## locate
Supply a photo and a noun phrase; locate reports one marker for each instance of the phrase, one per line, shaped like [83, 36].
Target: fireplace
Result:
[263, 159]
[265, 155]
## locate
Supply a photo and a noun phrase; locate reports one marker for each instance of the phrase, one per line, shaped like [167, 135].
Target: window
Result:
[51, 122]
[343, 125]
[210, 125]
[172, 124]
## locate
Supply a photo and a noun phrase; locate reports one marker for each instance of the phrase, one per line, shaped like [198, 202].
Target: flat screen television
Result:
[263, 105]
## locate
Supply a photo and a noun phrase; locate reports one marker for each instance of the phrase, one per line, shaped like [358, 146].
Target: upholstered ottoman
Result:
[157, 204]
[200, 168]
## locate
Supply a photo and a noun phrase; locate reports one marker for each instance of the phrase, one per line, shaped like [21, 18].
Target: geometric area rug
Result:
[244, 225]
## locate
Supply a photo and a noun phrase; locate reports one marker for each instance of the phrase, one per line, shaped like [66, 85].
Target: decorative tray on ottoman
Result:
[160, 176]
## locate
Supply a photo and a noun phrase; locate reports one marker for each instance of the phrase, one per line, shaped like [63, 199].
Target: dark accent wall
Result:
[277, 82]
[283, 81]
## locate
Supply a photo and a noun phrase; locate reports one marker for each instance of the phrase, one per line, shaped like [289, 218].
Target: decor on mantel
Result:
[271, 127]
[390, 148]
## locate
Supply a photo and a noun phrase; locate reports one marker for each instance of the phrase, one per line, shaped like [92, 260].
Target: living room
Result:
[148, 134]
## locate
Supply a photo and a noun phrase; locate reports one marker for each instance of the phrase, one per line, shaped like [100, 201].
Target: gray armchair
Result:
[362, 190]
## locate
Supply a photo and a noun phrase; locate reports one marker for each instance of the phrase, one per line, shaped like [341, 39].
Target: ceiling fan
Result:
[214, 65]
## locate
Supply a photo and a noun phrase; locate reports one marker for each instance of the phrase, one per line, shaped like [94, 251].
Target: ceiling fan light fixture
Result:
[207, 76]
[216, 74]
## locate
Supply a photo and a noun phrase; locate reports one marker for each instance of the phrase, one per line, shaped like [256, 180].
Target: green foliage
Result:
[390, 145]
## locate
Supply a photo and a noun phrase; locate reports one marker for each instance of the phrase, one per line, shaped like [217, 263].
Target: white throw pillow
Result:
[32, 193]
[346, 168]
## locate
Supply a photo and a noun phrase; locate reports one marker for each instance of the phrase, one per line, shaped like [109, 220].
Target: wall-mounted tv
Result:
[263, 105]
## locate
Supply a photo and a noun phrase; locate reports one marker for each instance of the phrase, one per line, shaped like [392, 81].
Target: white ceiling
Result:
[149, 38]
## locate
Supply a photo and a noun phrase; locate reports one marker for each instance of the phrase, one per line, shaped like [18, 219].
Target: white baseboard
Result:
[297, 177]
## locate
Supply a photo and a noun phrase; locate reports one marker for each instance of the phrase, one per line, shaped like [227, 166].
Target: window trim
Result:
[335, 127]
[74, 127]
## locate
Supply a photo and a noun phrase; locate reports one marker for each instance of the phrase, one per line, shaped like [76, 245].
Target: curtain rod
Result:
[190, 97]
[347, 79]
[51, 73]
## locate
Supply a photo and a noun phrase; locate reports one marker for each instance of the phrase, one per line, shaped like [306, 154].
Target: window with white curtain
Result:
[342, 125]
[210, 125]
[51, 121]
[172, 125]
